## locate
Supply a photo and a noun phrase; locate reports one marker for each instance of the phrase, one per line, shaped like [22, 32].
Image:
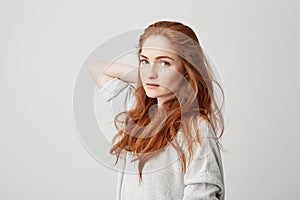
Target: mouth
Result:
[152, 85]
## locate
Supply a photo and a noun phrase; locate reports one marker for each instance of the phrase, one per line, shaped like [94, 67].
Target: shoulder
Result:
[201, 136]
[200, 126]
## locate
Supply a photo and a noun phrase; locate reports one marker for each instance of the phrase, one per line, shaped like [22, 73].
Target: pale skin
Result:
[159, 64]
[103, 71]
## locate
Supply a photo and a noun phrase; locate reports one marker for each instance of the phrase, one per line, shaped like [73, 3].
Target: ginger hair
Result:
[148, 136]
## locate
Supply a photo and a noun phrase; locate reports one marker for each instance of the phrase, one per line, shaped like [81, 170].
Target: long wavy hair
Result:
[147, 135]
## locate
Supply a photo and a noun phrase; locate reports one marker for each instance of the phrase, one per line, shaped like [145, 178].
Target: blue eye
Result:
[144, 62]
[165, 63]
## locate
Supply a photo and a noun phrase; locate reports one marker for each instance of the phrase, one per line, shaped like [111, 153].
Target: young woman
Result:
[168, 132]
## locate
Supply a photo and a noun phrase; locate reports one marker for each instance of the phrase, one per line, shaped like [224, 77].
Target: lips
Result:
[152, 84]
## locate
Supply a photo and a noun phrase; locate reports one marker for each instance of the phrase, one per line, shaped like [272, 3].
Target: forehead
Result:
[158, 45]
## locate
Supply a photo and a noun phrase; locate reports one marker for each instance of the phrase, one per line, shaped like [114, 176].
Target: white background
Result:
[43, 45]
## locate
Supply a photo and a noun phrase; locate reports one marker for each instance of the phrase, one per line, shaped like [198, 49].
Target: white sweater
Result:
[162, 177]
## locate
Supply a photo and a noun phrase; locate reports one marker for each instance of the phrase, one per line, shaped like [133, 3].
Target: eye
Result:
[165, 63]
[144, 62]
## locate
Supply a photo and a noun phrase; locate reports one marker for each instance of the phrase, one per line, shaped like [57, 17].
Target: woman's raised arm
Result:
[103, 71]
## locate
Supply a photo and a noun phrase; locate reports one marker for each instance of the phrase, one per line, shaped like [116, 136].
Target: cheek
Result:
[142, 74]
[171, 78]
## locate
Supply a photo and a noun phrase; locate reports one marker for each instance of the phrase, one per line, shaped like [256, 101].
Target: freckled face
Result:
[160, 65]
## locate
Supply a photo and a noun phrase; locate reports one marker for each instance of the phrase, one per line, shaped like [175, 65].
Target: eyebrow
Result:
[158, 57]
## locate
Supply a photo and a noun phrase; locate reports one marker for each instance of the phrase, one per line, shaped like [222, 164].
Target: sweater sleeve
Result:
[203, 179]
[119, 93]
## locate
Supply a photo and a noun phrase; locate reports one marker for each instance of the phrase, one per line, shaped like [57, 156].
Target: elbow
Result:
[96, 67]
[91, 66]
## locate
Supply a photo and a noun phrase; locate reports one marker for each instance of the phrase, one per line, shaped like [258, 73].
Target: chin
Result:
[151, 95]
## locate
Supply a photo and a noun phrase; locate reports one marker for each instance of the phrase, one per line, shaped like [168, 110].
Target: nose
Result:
[152, 72]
